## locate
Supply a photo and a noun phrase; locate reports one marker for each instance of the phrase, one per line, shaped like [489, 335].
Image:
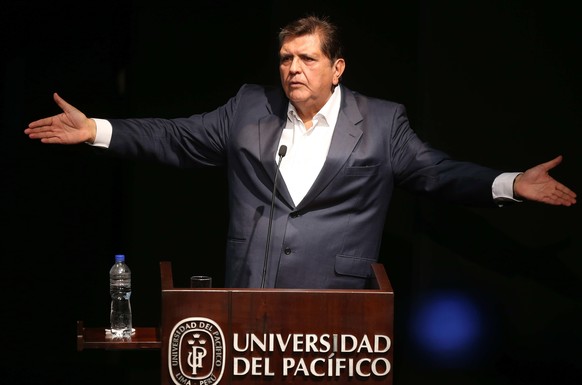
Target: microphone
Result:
[282, 153]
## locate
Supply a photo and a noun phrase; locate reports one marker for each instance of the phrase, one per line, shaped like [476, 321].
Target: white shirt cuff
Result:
[103, 133]
[502, 188]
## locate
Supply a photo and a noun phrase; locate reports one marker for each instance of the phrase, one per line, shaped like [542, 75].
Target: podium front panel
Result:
[276, 336]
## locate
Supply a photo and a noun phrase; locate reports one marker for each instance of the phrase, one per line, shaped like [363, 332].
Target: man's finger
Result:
[40, 123]
[552, 163]
[66, 107]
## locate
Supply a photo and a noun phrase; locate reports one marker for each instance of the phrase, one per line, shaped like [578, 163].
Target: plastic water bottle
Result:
[120, 289]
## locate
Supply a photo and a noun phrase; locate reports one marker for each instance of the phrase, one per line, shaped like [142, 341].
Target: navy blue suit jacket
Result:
[330, 239]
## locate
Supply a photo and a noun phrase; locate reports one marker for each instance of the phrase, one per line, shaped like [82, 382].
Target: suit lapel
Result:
[345, 137]
[270, 129]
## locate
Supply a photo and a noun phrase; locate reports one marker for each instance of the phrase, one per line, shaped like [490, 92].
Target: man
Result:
[346, 153]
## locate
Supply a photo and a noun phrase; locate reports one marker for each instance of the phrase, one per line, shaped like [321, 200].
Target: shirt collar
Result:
[328, 113]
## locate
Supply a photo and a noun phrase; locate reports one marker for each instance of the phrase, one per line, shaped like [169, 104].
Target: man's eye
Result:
[285, 59]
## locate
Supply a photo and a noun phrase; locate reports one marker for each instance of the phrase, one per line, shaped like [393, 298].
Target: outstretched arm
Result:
[69, 127]
[537, 185]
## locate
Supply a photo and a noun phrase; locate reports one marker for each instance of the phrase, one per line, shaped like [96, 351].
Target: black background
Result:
[494, 82]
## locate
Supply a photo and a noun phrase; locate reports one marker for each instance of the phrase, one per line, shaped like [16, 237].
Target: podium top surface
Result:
[380, 282]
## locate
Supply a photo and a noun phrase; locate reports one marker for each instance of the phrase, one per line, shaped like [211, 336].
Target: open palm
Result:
[536, 184]
[69, 127]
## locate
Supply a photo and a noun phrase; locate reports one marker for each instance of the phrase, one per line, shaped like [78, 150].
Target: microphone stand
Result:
[282, 153]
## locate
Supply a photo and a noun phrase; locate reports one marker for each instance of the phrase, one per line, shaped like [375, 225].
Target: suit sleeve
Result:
[197, 141]
[420, 168]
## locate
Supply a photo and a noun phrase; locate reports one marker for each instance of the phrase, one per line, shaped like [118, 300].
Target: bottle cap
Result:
[119, 258]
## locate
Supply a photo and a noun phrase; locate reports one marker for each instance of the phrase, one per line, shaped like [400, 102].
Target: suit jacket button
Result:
[287, 250]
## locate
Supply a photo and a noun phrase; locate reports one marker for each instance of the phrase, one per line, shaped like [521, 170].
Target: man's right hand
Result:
[69, 127]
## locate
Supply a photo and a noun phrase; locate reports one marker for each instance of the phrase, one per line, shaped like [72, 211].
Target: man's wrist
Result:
[516, 196]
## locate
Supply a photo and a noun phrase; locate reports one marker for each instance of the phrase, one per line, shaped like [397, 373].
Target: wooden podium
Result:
[267, 336]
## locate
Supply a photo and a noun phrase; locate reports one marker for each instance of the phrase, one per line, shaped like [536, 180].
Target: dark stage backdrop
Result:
[482, 296]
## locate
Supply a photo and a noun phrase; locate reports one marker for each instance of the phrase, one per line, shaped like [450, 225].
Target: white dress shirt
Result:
[307, 148]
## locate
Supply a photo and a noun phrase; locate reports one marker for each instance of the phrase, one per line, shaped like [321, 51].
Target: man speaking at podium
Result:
[311, 166]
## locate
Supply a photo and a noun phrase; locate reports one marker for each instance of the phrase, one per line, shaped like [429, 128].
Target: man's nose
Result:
[295, 65]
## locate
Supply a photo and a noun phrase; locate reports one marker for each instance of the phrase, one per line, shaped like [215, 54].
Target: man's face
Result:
[307, 75]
